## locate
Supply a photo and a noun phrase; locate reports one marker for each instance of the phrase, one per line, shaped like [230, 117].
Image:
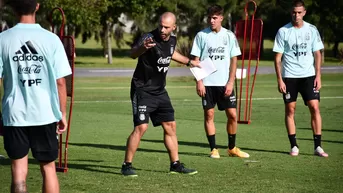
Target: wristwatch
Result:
[189, 63]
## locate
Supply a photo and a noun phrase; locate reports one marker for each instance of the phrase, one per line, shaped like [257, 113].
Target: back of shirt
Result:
[220, 47]
[297, 46]
[152, 67]
[31, 60]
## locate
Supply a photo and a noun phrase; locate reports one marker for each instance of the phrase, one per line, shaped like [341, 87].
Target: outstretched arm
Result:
[140, 48]
[184, 60]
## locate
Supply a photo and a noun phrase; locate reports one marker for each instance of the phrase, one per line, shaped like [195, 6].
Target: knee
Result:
[232, 115]
[290, 111]
[140, 129]
[170, 128]
[314, 109]
[209, 115]
[47, 168]
[19, 170]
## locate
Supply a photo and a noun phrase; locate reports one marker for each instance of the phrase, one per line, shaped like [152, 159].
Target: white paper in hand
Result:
[207, 68]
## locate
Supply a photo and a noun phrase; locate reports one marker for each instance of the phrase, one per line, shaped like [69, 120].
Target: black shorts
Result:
[41, 139]
[215, 95]
[303, 85]
[156, 107]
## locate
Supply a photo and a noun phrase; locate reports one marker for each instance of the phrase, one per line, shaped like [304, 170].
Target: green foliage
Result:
[97, 18]
[80, 15]
[327, 16]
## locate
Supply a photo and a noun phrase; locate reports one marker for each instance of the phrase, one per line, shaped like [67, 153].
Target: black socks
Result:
[212, 141]
[232, 140]
[293, 140]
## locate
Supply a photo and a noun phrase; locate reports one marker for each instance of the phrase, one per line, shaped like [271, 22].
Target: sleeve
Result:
[1, 66]
[142, 38]
[196, 47]
[317, 43]
[61, 63]
[234, 46]
[279, 44]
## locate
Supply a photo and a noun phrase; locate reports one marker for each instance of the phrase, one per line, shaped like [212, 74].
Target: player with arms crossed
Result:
[222, 47]
[297, 65]
[149, 97]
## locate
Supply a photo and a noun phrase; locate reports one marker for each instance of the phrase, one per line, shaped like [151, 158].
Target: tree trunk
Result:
[229, 21]
[335, 49]
[108, 43]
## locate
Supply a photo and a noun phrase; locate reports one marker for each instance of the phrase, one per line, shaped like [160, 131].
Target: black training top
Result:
[152, 67]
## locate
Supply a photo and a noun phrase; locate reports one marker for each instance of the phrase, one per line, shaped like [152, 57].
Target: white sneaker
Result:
[294, 151]
[320, 152]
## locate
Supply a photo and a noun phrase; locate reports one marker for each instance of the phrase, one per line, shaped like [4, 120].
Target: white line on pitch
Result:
[108, 71]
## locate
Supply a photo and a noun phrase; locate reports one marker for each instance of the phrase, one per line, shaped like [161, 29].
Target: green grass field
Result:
[102, 121]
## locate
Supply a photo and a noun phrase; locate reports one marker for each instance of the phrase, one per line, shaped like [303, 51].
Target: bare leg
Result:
[316, 119]
[50, 180]
[133, 141]
[170, 140]
[19, 172]
[231, 128]
[210, 128]
[289, 117]
[231, 125]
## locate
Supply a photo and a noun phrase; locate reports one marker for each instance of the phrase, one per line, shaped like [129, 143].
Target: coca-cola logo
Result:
[33, 69]
[216, 50]
[299, 46]
[164, 60]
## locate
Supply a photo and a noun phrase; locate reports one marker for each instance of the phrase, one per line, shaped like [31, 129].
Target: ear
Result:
[174, 27]
[37, 7]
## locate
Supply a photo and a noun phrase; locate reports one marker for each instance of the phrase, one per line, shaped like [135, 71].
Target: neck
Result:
[28, 19]
[298, 24]
[166, 39]
[217, 29]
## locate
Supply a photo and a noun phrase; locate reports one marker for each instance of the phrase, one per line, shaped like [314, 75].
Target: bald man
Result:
[149, 97]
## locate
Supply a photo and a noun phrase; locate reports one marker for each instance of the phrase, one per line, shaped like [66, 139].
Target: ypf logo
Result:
[27, 52]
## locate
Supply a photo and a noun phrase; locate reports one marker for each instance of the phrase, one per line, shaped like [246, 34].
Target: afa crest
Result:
[142, 117]
[307, 36]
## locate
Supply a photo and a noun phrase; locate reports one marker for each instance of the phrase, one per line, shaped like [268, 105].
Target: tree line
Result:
[100, 18]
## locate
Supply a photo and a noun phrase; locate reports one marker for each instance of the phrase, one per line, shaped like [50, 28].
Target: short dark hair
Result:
[298, 3]
[23, 7]
[215, 10]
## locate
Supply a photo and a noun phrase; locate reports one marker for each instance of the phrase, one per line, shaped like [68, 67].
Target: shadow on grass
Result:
[85, 63]
[123, 148]
[327, 141]
[205, 145]
[98, 52]
[74, 164]
[329, 130]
